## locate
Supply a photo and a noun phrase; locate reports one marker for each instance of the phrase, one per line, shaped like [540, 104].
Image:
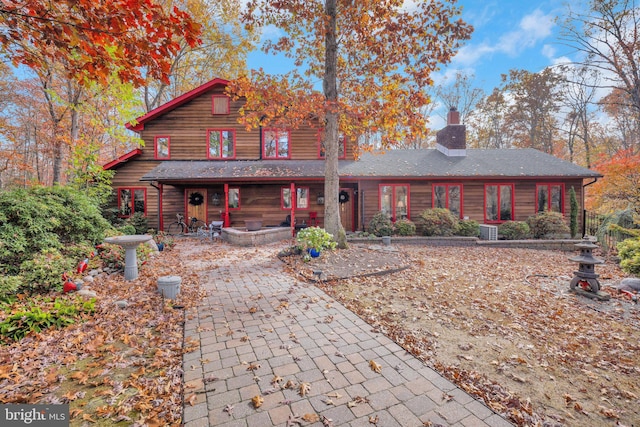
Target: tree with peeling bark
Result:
[375, 61]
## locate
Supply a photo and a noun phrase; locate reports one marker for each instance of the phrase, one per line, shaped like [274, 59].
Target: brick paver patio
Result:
[258, 323]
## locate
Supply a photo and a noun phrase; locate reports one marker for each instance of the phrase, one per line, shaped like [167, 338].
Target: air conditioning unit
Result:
[488, 232]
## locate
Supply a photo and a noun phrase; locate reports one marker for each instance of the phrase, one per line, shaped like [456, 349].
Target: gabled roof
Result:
[122, 159]
[138, 124]
[422, 163]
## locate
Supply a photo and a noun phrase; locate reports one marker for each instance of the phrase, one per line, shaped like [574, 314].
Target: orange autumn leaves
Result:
[96, 39]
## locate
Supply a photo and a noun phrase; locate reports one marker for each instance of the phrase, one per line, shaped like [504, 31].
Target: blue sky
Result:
[508, 34]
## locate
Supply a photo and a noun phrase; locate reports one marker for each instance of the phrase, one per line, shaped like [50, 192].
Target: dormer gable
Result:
[138, 124]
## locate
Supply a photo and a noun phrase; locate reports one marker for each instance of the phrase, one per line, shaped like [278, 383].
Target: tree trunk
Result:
[332, 221]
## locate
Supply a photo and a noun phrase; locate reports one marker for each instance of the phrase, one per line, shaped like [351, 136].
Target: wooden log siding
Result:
[256, 202]
[128, 175]
[473, 196]
[187, 126]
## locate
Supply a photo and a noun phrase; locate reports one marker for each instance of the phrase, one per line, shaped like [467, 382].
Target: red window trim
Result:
[213, 105]
[277, 132]
[298, 208]
[132, 190]
[513, 203]
[447, 185]
[344, 147]
[393, 216]
[233, 133]
[549, 185]
[239, 204]
[155, 147]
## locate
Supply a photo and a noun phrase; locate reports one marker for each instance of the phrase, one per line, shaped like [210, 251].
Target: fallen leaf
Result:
[311, 418]
[375, 367]
[191, 400]
[304, 388]
[257, 401]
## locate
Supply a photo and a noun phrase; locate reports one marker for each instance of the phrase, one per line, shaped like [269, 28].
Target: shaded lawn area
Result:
[502, 325]
[122, 366]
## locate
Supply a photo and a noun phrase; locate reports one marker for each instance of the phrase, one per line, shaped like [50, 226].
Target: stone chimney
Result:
[452, 140]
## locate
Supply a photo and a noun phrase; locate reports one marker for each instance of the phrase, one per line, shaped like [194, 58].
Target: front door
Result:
[346, 204]
[196, 204]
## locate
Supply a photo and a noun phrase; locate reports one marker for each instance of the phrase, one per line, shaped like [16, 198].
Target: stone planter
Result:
[386, 240]
[253, 224]
[169, 286]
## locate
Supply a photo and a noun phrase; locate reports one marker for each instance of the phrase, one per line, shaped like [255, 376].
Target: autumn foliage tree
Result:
[620, 187]
[95, 39]
[374, 59]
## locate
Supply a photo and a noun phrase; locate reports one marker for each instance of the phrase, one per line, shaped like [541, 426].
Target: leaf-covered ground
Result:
[123, 366]
[502, 325]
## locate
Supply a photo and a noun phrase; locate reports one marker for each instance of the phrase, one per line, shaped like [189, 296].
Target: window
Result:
[220, 104]
[498, 202]
[549, 197]
[448, 196]
[394, 200]
[342, 147]
[131, 201]
[234, 199]
[222, 143]
[275, 144]
[302, 198]
[161, 147]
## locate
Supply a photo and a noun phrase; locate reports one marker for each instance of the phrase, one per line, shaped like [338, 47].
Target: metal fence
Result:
[596, 225]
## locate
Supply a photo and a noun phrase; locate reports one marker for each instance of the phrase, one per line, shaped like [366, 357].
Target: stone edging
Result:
[567, 245]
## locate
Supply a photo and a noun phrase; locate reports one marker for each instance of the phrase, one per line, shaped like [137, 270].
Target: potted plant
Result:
[163, 240]
[314, 240]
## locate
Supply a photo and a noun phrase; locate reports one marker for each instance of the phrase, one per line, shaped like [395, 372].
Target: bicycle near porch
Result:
[181, 227]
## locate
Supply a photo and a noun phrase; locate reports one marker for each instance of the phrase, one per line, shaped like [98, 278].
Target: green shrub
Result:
[514, 230]
[127, 229]
[405, 227]
[139, 223]
[43, 273]
[573, 213]
[547, 224]
[437, 222]
[39, 218]
[629, 253]
[315, 238]
[468, 228]
[44, 314]
[111, 255]
[9, 286]
[380, 225]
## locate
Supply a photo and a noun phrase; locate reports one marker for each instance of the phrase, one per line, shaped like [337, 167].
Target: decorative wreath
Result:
[343, 197]
[196, 199]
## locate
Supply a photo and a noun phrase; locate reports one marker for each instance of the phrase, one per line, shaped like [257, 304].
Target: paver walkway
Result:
[258, 322]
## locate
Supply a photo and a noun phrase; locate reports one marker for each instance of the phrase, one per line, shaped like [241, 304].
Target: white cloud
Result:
[531, 29]
[549, 51]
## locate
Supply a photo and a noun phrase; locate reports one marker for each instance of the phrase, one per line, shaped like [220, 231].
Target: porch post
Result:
[160, 209]
[293, 209]
[226, 220]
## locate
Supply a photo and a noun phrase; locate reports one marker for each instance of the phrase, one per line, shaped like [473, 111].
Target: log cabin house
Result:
[198, 161]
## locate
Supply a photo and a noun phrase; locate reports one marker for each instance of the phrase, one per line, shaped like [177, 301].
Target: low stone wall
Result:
[567, 245]
[241, 237]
